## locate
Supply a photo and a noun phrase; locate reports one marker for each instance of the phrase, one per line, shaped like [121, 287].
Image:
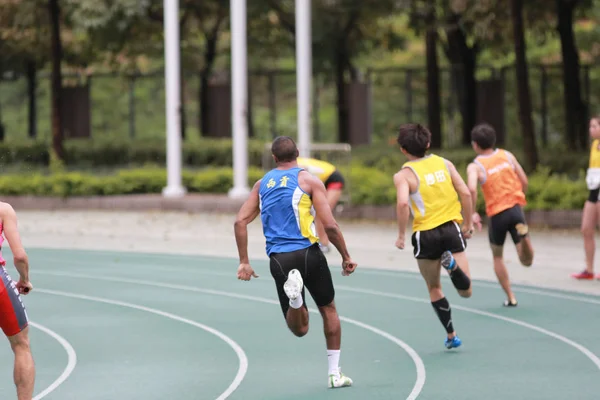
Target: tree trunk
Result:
[341, 60]
[57, 131]
[204, 104]
[464, 63]
[182, 101]
[523, 92]
[249, 112]
[210, 55]
[31, 95]
[433, 82]
[575, 108]
[470, 105]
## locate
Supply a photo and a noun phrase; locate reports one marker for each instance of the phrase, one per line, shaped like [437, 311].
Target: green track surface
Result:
[129, 353]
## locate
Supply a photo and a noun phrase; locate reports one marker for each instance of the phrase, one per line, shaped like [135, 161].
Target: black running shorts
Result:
[505, 222]
[335, 181]
[430, 244]
[313, 267]
[593, 197]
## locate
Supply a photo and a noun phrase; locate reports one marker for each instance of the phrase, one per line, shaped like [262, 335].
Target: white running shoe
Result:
[339, 380]
[294, 284]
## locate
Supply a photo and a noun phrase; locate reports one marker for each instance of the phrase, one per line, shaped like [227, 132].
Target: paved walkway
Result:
[558, 253]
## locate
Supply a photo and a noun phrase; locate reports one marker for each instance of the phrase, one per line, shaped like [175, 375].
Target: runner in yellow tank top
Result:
[591, 208]
[433, 191]
[334, 185]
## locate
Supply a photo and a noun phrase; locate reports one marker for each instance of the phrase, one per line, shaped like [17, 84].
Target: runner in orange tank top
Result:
[503, 183]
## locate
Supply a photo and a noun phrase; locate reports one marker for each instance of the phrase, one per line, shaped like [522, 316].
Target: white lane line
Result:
[71, 359]
[546, 332]
[536, 328]
[419, 365]
[243, 360]
[489, 283]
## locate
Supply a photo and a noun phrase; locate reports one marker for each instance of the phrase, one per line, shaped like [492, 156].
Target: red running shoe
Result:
[583, 275]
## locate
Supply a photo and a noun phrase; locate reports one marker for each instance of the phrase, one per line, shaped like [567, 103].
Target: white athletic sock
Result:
[297, 302]
[333, 357]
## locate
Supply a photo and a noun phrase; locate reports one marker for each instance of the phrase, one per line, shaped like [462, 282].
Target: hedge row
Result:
[367, 185]
[102, 153]
[388, 158]
[218, 153]
[135, 181]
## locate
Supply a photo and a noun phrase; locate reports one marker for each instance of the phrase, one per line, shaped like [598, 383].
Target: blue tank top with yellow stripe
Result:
[286, 211]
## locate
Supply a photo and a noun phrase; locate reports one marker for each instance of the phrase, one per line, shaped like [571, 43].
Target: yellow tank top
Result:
[435, 202]
[595, 154]
[320, 169]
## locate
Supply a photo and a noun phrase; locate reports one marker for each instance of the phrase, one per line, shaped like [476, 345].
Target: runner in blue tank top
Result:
[286, 212]
[287, 199]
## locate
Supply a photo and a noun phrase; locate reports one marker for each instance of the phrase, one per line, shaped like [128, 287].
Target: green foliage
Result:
[106, 32]
[371, 186]
[545, 191]
[388, 158]
[114, 153]
[385, 158]
[555, 192]
[342, 30]
[134, 181]
[24, 33]
[368, 186]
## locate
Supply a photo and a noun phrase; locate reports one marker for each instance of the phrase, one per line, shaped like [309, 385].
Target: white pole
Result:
[303, 74]
[239, 97]
[174, 187]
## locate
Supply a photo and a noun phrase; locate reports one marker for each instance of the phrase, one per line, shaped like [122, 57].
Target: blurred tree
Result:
[454, 29]
[341, 31]
[156, 14]
[24, 40]
[424, 17]
[434, 101]
[56, 81]
[114, 34]
[576, 111]
[210, 22]
[468, 27]
[524, 95]
[588, 35]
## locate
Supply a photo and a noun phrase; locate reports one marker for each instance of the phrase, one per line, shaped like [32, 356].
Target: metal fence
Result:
[133, 106]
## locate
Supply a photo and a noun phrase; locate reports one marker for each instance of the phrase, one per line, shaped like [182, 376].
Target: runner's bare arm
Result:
[248, 212]
[473, 176]
[323, 210]
[520, 172]
[463, 192]
[11, 231]
[402, 197]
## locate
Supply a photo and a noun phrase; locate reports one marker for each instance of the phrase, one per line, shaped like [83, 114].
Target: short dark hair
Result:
[484, 135]
[284, 149]
[414, 138]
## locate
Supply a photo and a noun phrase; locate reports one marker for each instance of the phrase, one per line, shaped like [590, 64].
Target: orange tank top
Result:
[501, 186]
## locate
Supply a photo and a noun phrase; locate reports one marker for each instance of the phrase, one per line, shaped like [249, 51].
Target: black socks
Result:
[442, 309]
[460, 280]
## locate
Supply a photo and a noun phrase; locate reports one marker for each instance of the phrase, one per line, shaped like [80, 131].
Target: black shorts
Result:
[335, 181]
[506, 222]
[593, 197]
[314, 270]
[430, 244]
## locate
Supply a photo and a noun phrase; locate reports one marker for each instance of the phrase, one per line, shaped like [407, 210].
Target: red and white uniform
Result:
[13, 316]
